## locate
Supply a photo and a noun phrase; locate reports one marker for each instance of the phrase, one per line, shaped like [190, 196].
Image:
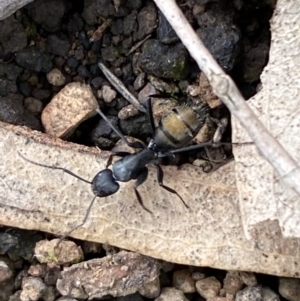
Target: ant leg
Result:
[150, 115]
[221, 127]
[141, 178]
[131, 144]
[160, 176]
[116, 154]
[55, 167]
[82, 223]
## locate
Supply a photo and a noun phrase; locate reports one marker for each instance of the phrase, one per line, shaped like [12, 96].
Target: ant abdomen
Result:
[179, 127]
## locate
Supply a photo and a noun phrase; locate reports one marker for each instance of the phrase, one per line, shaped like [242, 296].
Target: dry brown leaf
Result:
[262, 196]
[212, 232]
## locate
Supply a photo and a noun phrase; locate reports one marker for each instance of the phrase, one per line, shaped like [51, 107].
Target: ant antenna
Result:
[131, 144]
[55, 167]
[74, 175]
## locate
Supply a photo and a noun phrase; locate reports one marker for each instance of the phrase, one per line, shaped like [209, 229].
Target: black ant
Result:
[168, 135]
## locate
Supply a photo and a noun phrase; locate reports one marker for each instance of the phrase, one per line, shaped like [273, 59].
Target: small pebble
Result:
[151, 289]
[108, 94]
[56, 78]
[5, 272]
[171, 294]
[37, 270]
[32, 289]
[139, 81]
[249, 293]
[53, 254]
[128, 112]
[74, 104]
[33, 105]
[208, 287]
[183, 280]
[248, 278]
[268, 295]
[233, 282]
[289, 288]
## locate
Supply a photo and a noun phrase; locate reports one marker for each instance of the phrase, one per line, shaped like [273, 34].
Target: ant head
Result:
[104, 184]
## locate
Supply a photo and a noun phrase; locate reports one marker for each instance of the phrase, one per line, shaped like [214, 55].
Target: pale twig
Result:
[224, 87]
[121, 87]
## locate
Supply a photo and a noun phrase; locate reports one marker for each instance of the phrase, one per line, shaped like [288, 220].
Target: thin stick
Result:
[121, 87]
[224, 87]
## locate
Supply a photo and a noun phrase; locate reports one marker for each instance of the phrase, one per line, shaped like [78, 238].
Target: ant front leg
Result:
[160, 176]
[221, 127]
[116, 154]
[141, 178]
[81, 224]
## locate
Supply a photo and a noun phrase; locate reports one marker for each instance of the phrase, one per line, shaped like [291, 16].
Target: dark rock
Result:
[26, 243]
[133, 297]
[96, 46]
[127, 44]
[249, 293]
[134, 4]
[52, 276]
[6, 57]
[33, 59]
[93, 9]
[58, 44]
[220, 35]
[6, 290]
[130, 23]
[165, 32]
[72, 63]
[147, 20]
[122, 10]
[12, 35]
[138, 127]
[7, 87]
[74, 25]
[84, 40]
[120, 103]
[33, 105]
[96, 82]
[7, 241]
[79, 54]
[104, 143]
[110, 54]
[95, 70]
[58, 62]
[25, 88]
[12, 111]
[91, 58]
[41, 94]
[107, 39]
[164, 61]
[117, 27]
[47, 13]
[10, 71]
[83, 71]
[103, 130]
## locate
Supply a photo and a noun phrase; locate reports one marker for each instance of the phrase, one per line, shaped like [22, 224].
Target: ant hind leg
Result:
[141, 178]
[160, 176]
